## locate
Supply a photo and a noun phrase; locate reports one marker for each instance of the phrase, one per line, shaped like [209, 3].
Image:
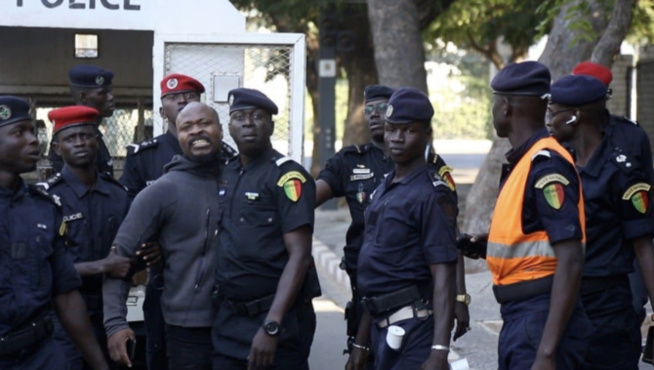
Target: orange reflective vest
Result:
[513, 256]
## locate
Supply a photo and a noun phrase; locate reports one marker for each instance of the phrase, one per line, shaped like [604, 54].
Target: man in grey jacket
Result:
[180, 211]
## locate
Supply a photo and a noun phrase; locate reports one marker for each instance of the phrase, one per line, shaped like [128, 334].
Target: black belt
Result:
[33, 333]
[251, 308]
[523, 290]
[596, 284]
[388, 302]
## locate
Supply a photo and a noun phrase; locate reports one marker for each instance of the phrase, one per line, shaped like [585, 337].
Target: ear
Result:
[81, 96]
[161, 113]
[272, 126]
[55, 146]
[507, 110]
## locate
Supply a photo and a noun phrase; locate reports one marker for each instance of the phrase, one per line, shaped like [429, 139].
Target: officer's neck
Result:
[522, 130]
[403, 170]
[379, 145]
[252, 154]
[9, 180]
[586, 141]
[172, 129]
[87, 175]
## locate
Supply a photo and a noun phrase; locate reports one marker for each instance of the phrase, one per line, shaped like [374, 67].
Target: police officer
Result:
[266, 317]
[617, 195]
[406, 267]
[355, 172]
[94, 205]
[144, 164]
[181, 211]
[91, 86]
[633, 141]
[35, 270]
[535, 244]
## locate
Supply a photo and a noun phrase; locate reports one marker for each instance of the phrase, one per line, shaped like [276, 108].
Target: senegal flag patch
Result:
[638, 195]
[292, 182]
[445, 173]
[554, 195]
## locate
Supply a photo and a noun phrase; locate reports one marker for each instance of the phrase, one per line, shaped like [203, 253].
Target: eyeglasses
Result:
[189, 96]
[380, 107]
[549, 115]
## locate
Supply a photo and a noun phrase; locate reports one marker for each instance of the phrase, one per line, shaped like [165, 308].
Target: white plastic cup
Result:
[460, 364]
[394, 337]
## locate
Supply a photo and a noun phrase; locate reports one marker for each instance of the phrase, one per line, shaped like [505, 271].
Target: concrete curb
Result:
[330, 263]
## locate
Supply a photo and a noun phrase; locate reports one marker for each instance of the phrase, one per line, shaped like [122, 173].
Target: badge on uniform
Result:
[361, 195]
[552, 186]
[62, 228]
[292, 182]
[251, 195]
[638, 195]
[445, 173]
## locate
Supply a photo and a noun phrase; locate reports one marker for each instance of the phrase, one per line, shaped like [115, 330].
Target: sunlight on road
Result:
[322, 304]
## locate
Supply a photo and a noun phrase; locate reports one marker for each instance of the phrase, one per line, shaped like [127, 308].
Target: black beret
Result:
[576, 90]
[408, 105]
[526, 78]
[90, 76]
[373, 92]
[13, 109]
[243, 98]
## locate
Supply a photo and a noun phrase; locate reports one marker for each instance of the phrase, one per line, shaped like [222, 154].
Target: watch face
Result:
[271, 328]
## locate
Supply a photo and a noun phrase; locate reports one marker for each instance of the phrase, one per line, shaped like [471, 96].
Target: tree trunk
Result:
[609, 45]
[359, 66]
[565, 47]
[312, 89]
[399, 51]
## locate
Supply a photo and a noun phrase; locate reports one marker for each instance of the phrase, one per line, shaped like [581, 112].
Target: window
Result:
[86, 46]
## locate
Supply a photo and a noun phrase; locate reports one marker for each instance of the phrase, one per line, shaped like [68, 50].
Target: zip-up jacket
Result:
[180, 210]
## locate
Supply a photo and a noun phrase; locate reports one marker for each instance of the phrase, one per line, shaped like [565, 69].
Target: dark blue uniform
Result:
[632, 140]
[34, 268]
[616, 192]
[103, 161]
[92, 216]
[144, 164]
[269, 197]
[407, 230]
[524, 320]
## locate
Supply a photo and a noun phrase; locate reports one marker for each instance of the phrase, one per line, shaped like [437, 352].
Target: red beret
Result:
[177, 83]
[598, 71]
[72, 116]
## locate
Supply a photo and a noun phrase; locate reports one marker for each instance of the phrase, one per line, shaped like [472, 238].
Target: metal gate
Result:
[271, 63]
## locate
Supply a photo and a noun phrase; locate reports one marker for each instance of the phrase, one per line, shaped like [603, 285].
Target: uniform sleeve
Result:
[333, 174]
[295, 194]
[554, 186]
[65, 277]
[444, 171]
[634, 207]
[436, 229]
[131, 178]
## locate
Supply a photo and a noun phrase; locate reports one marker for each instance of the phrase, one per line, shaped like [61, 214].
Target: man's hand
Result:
[262, 353]
[117, 346]
[357, 360]
[462, 317]
[116, 265]
[437, 360]
[149, 253]
[544, 362]
[472, 246]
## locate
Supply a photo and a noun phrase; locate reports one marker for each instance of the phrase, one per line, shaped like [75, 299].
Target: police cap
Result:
[13, 109]
[244, 98]
[374, 92]
[526, 78]
[408, 105]
[89, 76]
[577, 90]
[74, 115]
[179, 83]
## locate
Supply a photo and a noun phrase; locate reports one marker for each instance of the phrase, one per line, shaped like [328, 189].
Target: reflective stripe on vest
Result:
[513, 256]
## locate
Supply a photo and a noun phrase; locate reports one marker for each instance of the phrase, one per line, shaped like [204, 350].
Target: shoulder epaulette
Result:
[41, 192]
[541, 154]
[228, 152]
[51, 181]
[626, 119]
[135, 148]
[111, 179]
[280, 161]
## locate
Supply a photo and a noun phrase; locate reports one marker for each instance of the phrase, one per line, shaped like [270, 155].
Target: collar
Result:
[14, 195]
[265, 157]
[515, 154]
[171, 140]
[79, 188]
[407, 179]
[596, 162]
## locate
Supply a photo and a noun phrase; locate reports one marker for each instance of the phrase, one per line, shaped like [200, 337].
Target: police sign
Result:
[87, 4]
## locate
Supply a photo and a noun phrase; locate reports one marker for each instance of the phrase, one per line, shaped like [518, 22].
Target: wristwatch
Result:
[463, 298]
[271, 328]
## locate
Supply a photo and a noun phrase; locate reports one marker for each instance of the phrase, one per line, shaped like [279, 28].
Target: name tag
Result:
[76, 216]
[361, 170]
[361, 177]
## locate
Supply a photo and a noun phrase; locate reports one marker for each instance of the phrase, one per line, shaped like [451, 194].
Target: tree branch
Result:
[609, 44]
